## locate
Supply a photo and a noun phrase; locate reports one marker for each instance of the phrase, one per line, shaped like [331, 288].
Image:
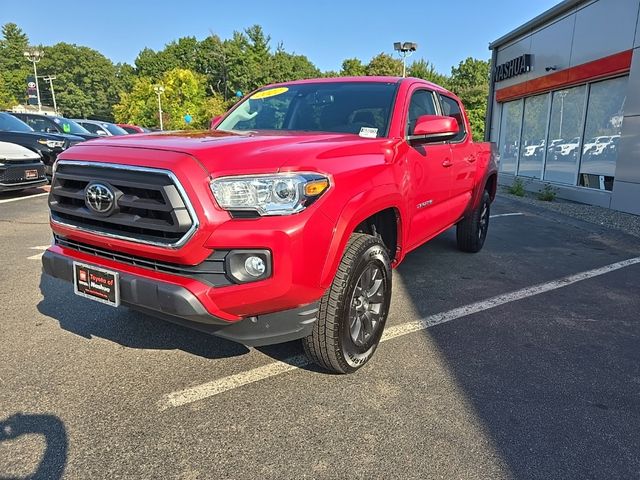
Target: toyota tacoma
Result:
[284, 221]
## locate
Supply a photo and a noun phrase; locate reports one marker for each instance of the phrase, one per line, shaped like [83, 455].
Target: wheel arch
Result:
[380, 209]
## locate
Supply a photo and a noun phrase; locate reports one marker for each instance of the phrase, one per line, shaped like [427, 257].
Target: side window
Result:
[422, 103]
[451, 108]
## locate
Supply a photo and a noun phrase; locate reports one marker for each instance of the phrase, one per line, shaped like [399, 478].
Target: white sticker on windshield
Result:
[368, 132]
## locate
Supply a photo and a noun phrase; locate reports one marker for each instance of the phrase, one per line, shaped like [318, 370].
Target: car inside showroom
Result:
[564, 105]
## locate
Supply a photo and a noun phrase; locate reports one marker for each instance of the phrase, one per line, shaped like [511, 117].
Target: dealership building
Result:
[564, 104]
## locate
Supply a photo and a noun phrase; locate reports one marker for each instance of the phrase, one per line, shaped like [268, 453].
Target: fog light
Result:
[242, 266]
[254, 266]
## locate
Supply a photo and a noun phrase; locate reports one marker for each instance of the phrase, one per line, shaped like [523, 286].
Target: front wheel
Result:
[354, 310]
[471, 231]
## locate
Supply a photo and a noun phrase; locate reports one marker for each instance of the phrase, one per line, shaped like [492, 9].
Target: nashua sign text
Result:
[512, 68]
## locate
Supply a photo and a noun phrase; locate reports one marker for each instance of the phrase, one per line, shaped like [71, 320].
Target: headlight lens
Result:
[51, 143]
[279, 194]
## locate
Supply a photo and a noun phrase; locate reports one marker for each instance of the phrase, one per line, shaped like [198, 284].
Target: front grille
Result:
[211, 271]
[15, 174]
[150, 204]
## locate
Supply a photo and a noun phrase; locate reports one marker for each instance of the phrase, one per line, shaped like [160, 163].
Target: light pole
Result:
[562, 93]
[159, 89]
[50, 79]
[34, 55]
[405, 49]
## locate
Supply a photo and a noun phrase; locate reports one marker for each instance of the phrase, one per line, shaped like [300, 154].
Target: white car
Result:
[568, 147]
[596, 145]
[20, 168]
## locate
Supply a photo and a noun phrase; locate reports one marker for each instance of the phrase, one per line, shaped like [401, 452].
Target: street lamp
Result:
[159, 89]
[34, 55]
[562, 94]
[405, 49]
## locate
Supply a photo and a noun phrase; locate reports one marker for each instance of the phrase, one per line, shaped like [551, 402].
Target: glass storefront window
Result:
[565, 135]
[605, 112]
[534, 131]
[509, 140]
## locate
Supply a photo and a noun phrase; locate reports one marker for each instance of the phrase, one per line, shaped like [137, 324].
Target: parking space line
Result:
[38, 256]
[516, 214]
[8, 200]
[231, 382]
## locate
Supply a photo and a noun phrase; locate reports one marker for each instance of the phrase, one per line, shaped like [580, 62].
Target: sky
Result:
[326, 32]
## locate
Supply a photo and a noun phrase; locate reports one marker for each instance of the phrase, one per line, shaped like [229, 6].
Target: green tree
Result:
[427, 71]
[184, 94]
[353, 67]
[470, 81]
[286, 66]
[384, 64]
[86, 82]
[14, 68]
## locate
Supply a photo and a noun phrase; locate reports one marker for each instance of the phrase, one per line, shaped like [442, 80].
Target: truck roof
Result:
[362, 79]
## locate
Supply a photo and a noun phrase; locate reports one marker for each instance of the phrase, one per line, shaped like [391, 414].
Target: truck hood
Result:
[225, 153]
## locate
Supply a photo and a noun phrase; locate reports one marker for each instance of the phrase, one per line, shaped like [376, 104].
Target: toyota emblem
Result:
[99, 198]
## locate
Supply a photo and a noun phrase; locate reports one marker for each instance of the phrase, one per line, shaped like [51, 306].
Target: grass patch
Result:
[517, 188]
[547, 193]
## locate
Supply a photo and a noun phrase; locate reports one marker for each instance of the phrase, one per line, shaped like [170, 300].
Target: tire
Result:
[471, 231]
[354, 310]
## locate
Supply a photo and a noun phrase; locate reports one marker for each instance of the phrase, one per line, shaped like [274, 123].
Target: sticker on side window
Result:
[369, 132]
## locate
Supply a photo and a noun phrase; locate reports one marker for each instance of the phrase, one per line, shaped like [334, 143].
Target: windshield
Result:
[361, 108]
[114, 129]
[9, 123]
[69, 126]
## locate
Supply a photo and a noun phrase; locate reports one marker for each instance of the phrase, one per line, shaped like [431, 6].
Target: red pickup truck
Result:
[284, 221]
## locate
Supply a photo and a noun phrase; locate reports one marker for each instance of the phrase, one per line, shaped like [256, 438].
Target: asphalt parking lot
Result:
[520, 362]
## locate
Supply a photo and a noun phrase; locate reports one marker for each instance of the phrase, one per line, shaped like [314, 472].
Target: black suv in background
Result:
[48, 145]
[54, 124]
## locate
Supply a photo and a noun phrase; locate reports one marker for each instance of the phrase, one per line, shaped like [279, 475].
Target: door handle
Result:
[447, 163]
[471, 158]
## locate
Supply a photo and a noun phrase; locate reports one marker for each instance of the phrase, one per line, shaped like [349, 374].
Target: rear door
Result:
[463, 156]
[429, 173]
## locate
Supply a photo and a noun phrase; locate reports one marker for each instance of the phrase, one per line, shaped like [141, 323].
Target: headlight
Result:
[51, 143]
[279, 194]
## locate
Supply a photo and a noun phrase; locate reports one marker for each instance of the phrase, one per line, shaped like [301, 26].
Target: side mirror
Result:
[215, 121]
[434, 128]
[101, 132]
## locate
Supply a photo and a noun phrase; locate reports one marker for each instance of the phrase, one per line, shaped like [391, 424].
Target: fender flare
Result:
[358, 209]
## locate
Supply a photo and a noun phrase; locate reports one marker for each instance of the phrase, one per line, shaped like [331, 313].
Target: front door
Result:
[429, 169]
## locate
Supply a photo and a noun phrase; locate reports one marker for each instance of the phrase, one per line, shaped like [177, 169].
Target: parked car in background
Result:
[127, 127]
[596, 144]
[54, 124]
[98, 127]
[48, 145]
[568, 148]
[20, 168]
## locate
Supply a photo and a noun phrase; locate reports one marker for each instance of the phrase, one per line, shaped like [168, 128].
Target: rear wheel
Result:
[471, 231]
[353, 312]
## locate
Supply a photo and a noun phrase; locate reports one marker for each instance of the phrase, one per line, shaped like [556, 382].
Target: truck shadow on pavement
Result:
[126, 327]
[552, 378]
[20, 425]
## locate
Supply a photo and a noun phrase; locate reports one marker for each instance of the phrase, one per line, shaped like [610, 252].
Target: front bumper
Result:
[177, 304]
[12, 176]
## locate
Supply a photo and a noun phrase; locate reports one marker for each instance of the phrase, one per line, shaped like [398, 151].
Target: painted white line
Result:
[216, 387]
[7, 200]
[38, 256]
[506, 215]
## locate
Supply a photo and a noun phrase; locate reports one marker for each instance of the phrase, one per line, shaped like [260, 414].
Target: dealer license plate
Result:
[96, 283]
[29, 174]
